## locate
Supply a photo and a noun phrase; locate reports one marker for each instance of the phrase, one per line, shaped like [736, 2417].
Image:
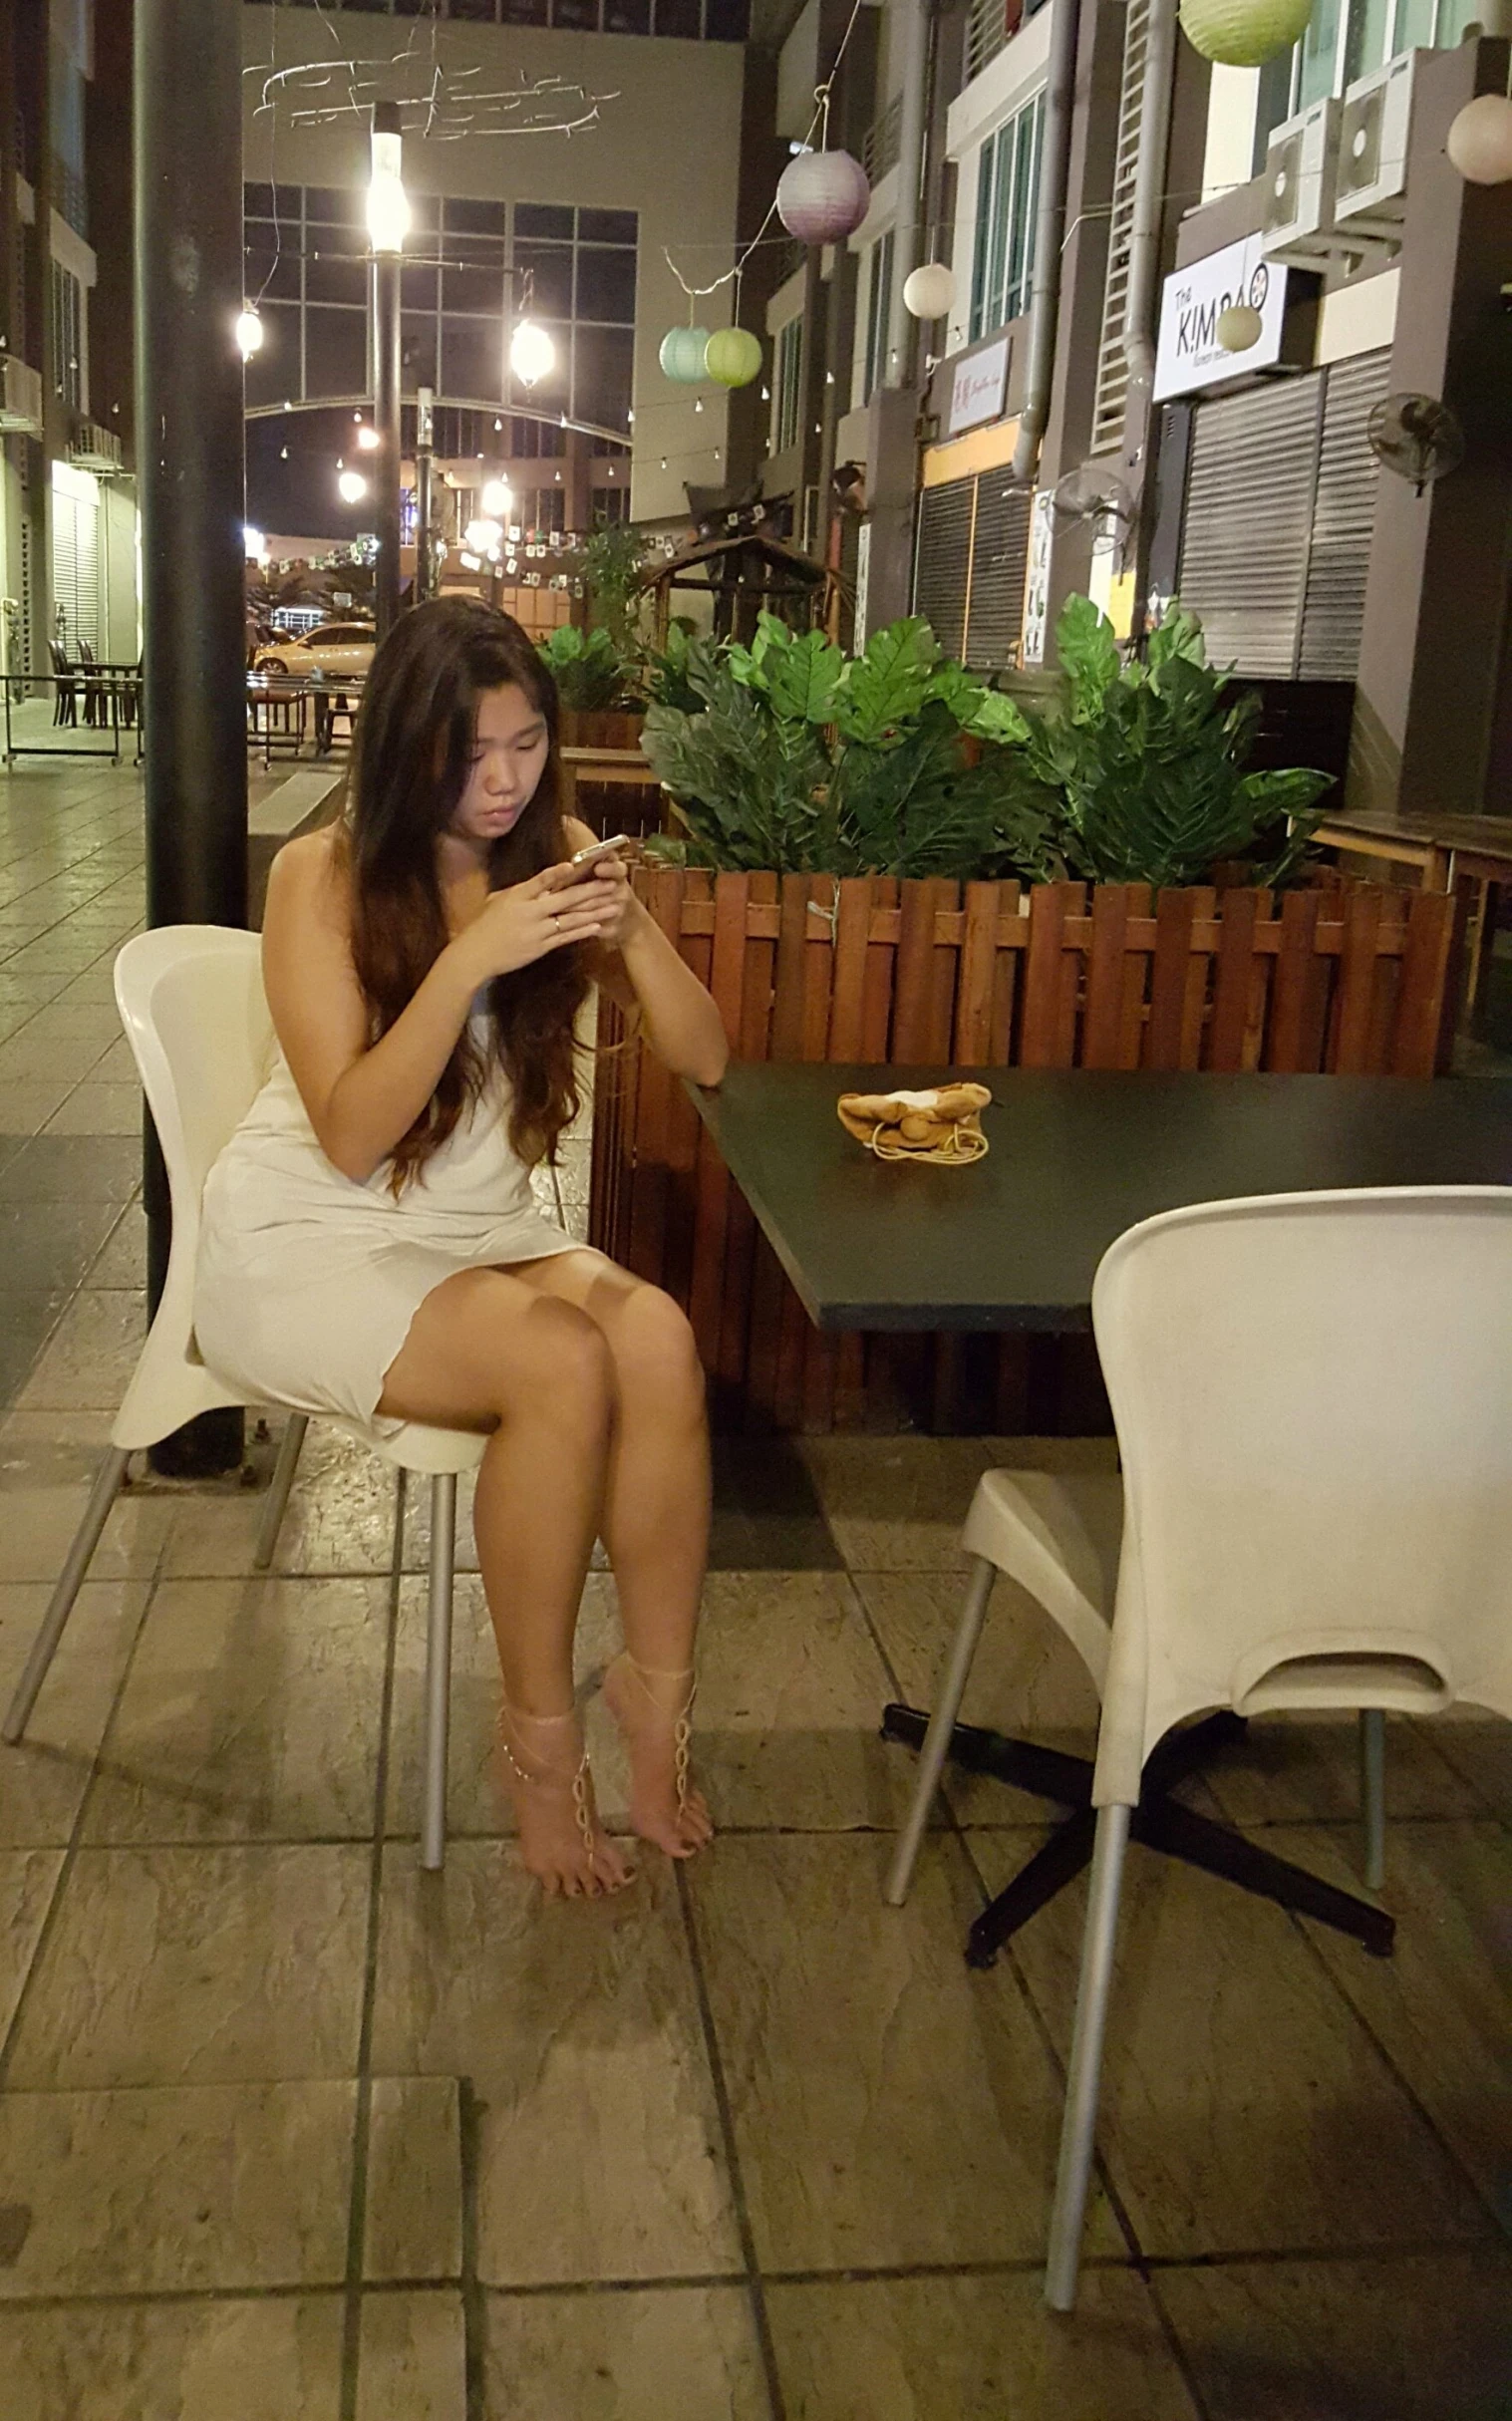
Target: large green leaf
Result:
[886, 689]
[1088, 653]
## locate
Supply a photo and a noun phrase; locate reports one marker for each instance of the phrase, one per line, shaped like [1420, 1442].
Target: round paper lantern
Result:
[1480, 140]
[928, 292]
[1244, 33]
[823, 195]
[733, 356]
[681, 355]
[1239, 327]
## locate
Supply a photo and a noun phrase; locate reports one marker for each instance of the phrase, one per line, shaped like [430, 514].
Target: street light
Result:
[388, 225]
[351, 488]
[249, 330]
[533, 355]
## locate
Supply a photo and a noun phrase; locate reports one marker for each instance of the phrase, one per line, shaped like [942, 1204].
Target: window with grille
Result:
[787, 386]
[1348, 39]
[878, 312]
[470, 267]
[1008, 197]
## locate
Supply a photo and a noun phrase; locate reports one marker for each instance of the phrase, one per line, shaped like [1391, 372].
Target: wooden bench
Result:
[302, 803]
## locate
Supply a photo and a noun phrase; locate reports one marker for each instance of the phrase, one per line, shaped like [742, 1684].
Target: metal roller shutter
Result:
[1249, 512]
[999, 571]
[943, 560]
[76, 571]
[1332, 615]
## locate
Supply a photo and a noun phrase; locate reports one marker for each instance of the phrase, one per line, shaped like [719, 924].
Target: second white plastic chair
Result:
[191, 1002]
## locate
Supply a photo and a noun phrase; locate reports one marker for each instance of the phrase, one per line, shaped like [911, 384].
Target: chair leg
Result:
[940, 1724]
[1079, 2126]
[432, 1826]
[278, 1491]
[1373, 1793]
[86, 1539]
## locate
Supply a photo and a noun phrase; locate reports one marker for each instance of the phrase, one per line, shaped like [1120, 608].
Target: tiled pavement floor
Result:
[288, 2128]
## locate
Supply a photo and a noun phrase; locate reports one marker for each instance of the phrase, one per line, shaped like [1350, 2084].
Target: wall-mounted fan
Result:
[1094, 493]
[1418, 437]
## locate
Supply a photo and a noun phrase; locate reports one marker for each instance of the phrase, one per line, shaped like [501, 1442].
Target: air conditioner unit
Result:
[94, 448]
[1301, 161]
[20, 400]
[1371, 188]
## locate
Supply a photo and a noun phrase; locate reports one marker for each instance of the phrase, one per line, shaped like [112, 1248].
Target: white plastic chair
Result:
[1313, 1396]
[191, 1002]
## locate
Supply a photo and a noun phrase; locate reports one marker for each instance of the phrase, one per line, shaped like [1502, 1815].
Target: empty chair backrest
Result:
[193, 1008]
[1314, 1402]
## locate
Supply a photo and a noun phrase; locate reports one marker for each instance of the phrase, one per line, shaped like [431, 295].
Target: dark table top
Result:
[1012, 1241]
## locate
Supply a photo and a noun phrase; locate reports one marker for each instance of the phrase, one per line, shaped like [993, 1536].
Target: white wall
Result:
[1233, 103]
[667, 145]
[798, 73]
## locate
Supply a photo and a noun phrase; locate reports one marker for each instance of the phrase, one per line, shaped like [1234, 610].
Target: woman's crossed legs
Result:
[591, 1383]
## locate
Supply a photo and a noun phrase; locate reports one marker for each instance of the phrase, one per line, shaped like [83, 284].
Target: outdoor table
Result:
[1013, 1241]
[278, 714]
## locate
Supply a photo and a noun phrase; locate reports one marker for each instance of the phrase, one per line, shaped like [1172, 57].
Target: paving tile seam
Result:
[1500, 2221]
[357, 2221]
[50, 1920]
[746, 2234]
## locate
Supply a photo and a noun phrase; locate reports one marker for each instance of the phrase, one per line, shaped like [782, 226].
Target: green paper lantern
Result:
[733, 356]
[1240, 328]
[1244, 33]
[681, 355]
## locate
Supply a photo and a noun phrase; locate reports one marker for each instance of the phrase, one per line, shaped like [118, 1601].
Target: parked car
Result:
[331, 648]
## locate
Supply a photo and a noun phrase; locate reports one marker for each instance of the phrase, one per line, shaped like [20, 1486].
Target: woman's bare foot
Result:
[545, 1772]
[652, 1709]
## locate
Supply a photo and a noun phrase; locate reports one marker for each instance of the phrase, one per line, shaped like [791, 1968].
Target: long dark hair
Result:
[411, 761]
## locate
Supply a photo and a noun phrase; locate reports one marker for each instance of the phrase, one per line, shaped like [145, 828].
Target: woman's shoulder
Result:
[310, 873]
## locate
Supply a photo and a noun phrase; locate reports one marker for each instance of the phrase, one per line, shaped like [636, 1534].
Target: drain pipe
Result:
[1054, 167]
[1144, 225]
[903, 328]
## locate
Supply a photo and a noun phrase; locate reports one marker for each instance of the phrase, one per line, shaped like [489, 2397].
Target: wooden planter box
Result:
[1350, 980]
[581, 730]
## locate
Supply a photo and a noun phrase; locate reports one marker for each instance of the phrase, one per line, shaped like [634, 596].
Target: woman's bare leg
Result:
[484, 1351]
[655, 1525]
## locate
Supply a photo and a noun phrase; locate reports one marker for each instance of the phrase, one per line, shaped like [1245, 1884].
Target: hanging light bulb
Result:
[533, 355]
[283, 454]
[497, 497]
[367, 437]
[249, 330]
[351, 488]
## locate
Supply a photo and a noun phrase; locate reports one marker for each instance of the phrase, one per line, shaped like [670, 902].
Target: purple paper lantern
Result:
[822, 197]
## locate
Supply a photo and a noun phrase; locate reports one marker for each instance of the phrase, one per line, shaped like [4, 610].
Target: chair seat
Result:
[1058, 1538]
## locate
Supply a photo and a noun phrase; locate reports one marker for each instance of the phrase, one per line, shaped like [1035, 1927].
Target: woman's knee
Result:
[654, 1355]
[558, 1367]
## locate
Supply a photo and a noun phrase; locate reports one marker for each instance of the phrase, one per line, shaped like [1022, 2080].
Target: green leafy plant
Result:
[612, 561]
[591, 675]
[892, 763]
[1147, 761]
[679, 673]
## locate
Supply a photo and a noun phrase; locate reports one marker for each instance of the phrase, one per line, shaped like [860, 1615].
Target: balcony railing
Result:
[879, 152]
[992, 26]
[20, 400]
[92, 448]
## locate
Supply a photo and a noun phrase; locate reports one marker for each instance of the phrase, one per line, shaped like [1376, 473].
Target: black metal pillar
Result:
[189, 247]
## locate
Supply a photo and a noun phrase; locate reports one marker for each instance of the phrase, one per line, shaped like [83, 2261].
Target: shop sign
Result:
[1037, 586]
[1187, 353]
[978, 390]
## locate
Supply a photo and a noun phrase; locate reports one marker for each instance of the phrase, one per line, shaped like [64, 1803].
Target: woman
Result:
[371, 1244]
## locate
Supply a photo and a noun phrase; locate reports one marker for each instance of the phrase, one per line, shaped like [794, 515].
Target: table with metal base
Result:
[1159, 1821]
[1075, 1157]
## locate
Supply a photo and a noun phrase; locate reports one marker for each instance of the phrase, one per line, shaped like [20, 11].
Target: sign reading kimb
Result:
[1187, 353]
[978, 390]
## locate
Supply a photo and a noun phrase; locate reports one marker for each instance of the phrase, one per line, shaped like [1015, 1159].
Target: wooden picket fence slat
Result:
[1348, 978]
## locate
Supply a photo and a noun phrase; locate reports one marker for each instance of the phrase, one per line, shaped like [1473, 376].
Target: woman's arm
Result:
[361, 1097]
[681, 1021]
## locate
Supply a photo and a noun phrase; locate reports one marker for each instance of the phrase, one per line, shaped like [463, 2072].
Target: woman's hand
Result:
[527, 921]
[607, 883]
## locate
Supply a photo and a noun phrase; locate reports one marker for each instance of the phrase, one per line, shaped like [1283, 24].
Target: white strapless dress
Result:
[307, 1282]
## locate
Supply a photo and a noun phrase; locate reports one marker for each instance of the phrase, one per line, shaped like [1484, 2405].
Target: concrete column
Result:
[1429, 707]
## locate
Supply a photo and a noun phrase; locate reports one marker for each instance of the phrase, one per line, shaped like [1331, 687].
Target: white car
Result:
[331, 649]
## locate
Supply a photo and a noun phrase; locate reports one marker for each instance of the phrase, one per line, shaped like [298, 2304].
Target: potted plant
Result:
[881, 859]
[595, 686]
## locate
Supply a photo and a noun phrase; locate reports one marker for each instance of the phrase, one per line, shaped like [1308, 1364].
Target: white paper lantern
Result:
[1244, 33]
[681, 355]
[1239, 328]
[822, 197]
[928, 292]
[1480, 140]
